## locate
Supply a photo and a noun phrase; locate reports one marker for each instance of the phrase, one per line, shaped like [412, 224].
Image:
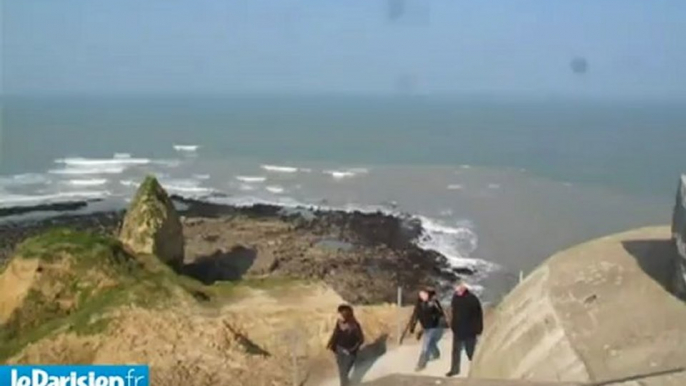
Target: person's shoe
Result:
[452, 374]
[419, 368]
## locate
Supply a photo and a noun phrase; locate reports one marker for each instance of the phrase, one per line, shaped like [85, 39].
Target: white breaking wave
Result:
[275, 189]
[456, 243]
[455, 187]
[89, 170]
[172, 163]
[86, 166]
[129, 183]
[10, 200]
[465, 166]
[186, 148]
[246, 188]
[88, 182]
[201, 176]
[186, 187]
[24, 179]
[251, 179]
[493, 186]
[347, 173]
[102, 162]
[339, 174]
[279, 169]
[189, 189]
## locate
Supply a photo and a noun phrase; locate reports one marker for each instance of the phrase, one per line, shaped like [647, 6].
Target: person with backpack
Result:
[429, 314]
[346, 340]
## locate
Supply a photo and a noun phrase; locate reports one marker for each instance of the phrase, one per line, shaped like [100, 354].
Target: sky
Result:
[634, 48]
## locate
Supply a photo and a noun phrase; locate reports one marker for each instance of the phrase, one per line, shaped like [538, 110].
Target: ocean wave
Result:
[339, 174]
[80, 170]
[346, 173]
[24, 179]
[251, 179]
[279, 169]
[10, 200]
[88, 182]
[186, 187]
[186, 148]
[170, 163]
[129, 183]
[246, 188]
[201, 176]
[455, 187]
[88, 166]
[194, 190]
[275, 189]
[446, 212]
[493, 186]
[457, 243]
[102, 162]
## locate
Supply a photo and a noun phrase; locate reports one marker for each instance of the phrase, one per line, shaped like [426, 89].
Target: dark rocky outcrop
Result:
[679, 235]
[152, 226]
[363, 256]
[54, 207]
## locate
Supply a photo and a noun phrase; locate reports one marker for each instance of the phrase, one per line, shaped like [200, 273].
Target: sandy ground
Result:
[402, 360]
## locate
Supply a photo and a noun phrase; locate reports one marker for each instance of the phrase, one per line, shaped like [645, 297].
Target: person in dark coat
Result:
[429, 313]
[345, 342]
[466, 322]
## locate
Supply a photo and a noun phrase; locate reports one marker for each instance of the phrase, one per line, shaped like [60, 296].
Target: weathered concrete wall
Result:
[596, 312]
[679, 234]
[408, 380]
[525, 330]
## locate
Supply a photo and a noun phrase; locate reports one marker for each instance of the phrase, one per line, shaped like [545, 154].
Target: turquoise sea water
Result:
[630, 146]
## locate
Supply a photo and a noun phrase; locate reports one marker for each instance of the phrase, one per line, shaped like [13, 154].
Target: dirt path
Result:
[402, 360]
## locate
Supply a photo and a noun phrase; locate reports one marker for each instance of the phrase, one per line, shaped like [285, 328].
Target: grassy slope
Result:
[141, 281]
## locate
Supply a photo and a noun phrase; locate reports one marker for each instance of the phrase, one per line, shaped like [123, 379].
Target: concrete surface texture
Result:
[409, 380]
[679, 234]
[596, 313]
[402, 360]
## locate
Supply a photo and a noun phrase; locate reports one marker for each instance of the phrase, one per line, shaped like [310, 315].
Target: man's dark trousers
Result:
[469, 344]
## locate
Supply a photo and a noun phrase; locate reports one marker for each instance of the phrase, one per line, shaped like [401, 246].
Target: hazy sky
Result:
[634, 48]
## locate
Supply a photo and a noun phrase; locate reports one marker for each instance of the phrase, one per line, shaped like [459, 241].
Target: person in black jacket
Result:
[429, 313]
[345, 342]
[466, 323]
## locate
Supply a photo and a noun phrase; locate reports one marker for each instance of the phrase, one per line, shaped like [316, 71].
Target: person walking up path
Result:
[429, 313]
[346, 340]
[466, 323]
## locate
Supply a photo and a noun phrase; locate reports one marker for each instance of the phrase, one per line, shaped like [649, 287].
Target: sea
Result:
[499, 184]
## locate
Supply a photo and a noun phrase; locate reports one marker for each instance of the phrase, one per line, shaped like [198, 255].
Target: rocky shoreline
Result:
[363, 256]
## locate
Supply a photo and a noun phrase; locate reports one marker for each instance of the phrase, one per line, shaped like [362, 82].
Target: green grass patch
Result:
[77, 264]
[37, 320]
[142, 281]
[229, 290]
[3, 265]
